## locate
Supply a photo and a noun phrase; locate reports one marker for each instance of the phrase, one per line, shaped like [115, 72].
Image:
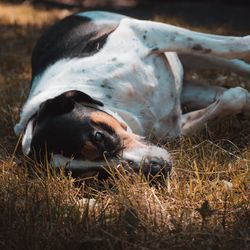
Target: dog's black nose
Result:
[154, 166]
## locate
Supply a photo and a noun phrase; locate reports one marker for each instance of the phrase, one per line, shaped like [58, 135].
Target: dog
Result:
[104, 85]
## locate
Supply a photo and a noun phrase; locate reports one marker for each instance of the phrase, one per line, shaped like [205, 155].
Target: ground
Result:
[204, 204]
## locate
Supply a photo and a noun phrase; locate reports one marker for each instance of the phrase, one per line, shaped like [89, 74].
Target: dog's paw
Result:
[234, 99]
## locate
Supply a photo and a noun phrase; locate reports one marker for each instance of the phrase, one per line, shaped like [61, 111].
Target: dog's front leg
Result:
[160, 37]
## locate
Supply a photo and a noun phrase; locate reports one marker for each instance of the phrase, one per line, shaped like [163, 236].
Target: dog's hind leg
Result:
[231, 102]
[200, 62]
[153, 37]
[196, 95]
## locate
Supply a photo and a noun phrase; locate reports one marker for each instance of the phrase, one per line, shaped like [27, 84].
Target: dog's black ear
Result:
[55, 106]
[79, 96]
[64, 103]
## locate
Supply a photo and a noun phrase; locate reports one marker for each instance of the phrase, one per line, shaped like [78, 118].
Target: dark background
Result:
[227, 14]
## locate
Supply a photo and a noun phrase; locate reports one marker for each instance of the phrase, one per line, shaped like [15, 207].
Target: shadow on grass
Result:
[45, 213]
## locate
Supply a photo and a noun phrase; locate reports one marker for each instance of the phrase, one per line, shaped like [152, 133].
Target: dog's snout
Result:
[150, 160]
[156, 165]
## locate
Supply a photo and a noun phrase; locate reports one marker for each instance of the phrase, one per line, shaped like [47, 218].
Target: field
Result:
[204, 204]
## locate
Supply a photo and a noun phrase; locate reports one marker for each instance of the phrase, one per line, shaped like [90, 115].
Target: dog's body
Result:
[130, 67]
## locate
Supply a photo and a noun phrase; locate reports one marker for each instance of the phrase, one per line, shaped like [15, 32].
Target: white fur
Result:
[139, 154]
[27, 137]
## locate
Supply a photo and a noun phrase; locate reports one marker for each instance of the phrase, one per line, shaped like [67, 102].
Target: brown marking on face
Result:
[102, 117]
[124, 126]
[89, 151]
[128, 139]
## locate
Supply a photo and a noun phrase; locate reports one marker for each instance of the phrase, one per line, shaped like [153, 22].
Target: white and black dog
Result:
[103, 84]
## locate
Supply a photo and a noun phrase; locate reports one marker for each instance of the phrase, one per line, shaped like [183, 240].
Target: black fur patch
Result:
[198, 47]
[74, 36]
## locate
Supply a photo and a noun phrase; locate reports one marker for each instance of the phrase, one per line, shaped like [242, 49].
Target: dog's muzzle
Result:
[149, 160]
[149, 166]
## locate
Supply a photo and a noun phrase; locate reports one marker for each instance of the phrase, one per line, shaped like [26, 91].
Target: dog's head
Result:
[91, 137]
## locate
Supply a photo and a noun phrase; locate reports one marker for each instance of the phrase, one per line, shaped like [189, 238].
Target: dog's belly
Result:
[151, 92]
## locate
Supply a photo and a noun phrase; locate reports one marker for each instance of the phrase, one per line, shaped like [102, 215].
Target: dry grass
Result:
[204, 205]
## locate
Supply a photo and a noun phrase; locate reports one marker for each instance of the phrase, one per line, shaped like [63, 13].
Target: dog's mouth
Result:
[60, 161]
[149, 166]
